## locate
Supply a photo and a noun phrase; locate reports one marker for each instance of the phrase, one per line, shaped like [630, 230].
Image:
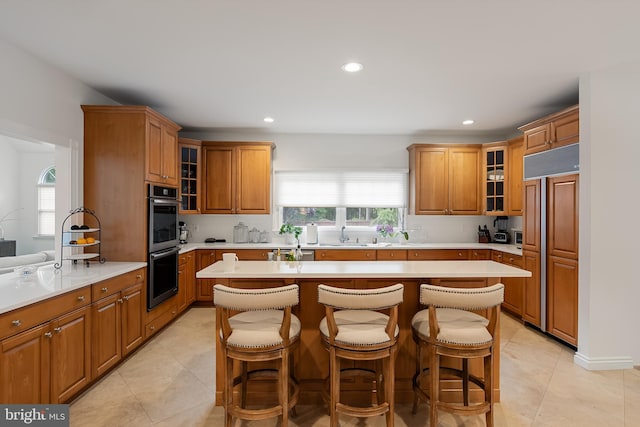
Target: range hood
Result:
[558, 161]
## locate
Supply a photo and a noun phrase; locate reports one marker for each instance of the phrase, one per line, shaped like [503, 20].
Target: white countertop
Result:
[18, 290]
[362, 269]
[232, 246]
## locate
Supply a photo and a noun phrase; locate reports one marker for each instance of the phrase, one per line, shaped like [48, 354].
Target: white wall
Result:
[41, 103]
[8, 193]
[610, 150]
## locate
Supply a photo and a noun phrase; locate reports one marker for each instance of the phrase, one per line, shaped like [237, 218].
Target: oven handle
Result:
[162, 254]
[164, 201]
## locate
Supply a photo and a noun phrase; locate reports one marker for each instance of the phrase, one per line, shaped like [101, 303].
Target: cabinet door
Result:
[531, 216]
[133, 305]
[565, 130]
[107, 336]
[562, 298]
[494, 182]
[219, 182]
[531, 311]
[70, 354]
[345, 255]
[204, 290]
[391, 255]
[537, 139]
[513, 295]
[191, 277]
[480, 254]
[190, 171]
[253, 180]
[154, 151]
[431, 183]
[169, 155]
[562, 225]
[24, 364]
[437, 254]
[515, 174]
[464, 175]
[181, 299]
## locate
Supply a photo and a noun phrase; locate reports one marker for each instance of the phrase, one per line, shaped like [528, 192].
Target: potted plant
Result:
[290, 233]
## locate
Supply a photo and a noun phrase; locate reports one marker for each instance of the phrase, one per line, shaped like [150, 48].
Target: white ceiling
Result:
[429, 64]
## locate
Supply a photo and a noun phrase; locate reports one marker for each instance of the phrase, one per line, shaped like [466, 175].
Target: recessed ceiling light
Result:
[352, 67]
[268, 120]
[468, 122]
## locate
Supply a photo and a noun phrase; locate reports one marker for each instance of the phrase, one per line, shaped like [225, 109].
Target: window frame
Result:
[45, 182]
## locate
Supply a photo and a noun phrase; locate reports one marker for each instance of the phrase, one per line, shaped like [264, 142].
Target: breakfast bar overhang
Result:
[312, 362]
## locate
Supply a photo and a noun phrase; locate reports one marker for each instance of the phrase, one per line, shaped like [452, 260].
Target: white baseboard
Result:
[602, 363]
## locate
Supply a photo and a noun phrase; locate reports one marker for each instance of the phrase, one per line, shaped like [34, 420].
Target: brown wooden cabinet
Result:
[444, 179]
[186, 280]
[555, 130]
[514, 287]
[532, 302]
[562, 298]
[48, 363]
[345, 255]
[515, 174]
[237, 177]
[204, 287]
[480, 254]
[117, 319]
[391, 255]
[190, 169]
[531, 220]
[495, 178]
[437, 254]
[125, 148]
[562, 228]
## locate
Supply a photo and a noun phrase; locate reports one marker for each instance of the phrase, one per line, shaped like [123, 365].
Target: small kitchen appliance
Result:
[517, 238]
[502, 235]
[183, 232]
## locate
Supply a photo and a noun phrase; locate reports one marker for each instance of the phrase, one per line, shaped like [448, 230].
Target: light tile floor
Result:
[169, 382]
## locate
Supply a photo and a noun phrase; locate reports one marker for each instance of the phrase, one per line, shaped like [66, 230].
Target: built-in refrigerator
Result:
[550, 241]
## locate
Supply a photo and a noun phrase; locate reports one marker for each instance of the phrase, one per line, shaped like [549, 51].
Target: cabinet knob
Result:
[511, 259]
[138, 276]
[48, 334]
[120, 300]
[391, 254]
[104, 289]
[368, 255]
[165, 176]
[16, 322]
[57, 330]
[81, 298]
[459, 254]
[152, 328]
[126, 298]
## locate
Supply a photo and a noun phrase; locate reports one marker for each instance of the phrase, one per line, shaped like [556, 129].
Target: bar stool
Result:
[448, 328]
[257, 326]
[355, 329]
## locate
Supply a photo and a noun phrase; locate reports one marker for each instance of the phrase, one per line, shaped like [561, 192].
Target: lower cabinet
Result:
[117, 327]
[513, 286]
[531, 311]
[204, 287]
[186, 281]
[48, 363]
[562, 298]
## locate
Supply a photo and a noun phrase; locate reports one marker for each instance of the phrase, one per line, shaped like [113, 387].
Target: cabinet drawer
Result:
[345, 255]
[24, 318]
[497, 256]
[247, 254]
[514, 260]
[116, 284]
[393, 255]
[438, 254]
[159, 322]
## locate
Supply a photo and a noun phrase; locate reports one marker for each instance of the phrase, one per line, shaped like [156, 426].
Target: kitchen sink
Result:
[363, 245]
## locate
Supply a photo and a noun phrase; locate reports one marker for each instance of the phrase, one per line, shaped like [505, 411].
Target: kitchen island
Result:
[312, 362]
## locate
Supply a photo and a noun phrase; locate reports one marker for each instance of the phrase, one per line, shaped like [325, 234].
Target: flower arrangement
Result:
[288, 228]
[386, 230]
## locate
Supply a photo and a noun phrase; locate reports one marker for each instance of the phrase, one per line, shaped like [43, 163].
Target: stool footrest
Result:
[356, 411]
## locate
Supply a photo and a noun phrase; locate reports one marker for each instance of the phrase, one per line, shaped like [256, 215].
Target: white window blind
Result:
[46, 210]
[363, 189]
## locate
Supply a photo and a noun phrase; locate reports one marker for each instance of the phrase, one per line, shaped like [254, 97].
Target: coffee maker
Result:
[502, 224]
[183, 232]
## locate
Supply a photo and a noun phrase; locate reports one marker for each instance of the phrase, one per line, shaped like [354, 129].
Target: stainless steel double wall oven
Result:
[163, 245]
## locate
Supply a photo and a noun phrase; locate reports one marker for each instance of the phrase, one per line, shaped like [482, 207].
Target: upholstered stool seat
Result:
[256, 326]
[354, 328]
[448, 328]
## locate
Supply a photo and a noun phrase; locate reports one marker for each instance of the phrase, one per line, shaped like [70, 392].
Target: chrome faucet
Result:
[343, 237]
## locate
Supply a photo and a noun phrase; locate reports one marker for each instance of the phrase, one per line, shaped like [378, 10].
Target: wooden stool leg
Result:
[465, 381]
[488, 387]
[228, 395]
[418, 376]
[245, 376]
[284, 387]
[334, 387]
[434, 385]
[380, 381]
[389, 375]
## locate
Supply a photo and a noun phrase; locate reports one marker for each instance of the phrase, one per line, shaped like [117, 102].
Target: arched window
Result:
[47, 202]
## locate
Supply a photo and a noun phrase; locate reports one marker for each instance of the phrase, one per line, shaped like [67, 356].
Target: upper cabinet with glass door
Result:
[190, 167]
[494, 178]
